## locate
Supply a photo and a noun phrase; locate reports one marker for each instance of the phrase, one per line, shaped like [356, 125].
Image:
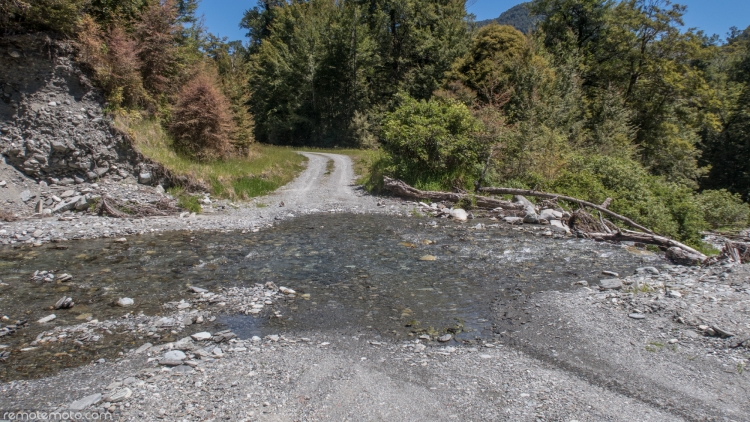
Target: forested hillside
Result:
[603, 99]
[517, 16]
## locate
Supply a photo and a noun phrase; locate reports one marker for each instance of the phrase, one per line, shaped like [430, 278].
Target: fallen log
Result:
[403, 190]
[651, 239]
[603, 209]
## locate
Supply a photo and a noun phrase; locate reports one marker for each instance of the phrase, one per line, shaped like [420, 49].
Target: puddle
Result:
[351, 272]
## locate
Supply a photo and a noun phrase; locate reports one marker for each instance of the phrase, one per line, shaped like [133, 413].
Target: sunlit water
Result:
[351, 272]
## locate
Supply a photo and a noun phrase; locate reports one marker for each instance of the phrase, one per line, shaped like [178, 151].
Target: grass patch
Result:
[186, 200]
[330, 165]
[263, 170]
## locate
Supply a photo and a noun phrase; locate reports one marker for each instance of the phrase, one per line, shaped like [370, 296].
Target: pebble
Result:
[444, 338]
[637, 316]
[611, 273]
[428, 258]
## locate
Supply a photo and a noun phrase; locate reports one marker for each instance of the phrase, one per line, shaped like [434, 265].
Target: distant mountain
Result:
[517, 16]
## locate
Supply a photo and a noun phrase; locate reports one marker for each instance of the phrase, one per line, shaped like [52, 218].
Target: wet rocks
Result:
[64, 303]
[445, 338]
[46, 319]
[125, 302]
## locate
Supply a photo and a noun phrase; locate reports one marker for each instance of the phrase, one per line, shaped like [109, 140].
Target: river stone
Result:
[651, 270]
[198, 289]
[611, 284]
[120, 395]
[550, 215]
[125, 302]
[637, 316]
[459, 214]
[682, 257]
[513, 220]
[201, 336]
[427, 258]
[286, 291]
[85, 402]
[445, 338]
[143, 348]
[25, 195]
[173, 358]
[531, 218]
[48, 318]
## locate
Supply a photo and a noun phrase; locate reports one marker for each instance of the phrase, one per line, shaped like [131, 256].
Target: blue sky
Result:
[222, 17]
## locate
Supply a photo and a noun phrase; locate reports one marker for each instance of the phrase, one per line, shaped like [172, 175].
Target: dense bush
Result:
[722, 209]
[202, 121]
[667, 208]
[432, 140]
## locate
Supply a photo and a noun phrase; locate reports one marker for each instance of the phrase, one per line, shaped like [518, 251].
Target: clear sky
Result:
[222, 17]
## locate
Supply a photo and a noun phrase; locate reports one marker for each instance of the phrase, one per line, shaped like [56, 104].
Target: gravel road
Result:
[313, 191]
[572, 359]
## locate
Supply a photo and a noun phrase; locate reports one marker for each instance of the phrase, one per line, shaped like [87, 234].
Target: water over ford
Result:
[401, 277]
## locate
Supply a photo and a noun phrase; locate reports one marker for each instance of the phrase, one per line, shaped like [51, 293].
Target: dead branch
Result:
[525, 192]
[403, 190]
[118, 209]
[651, 239]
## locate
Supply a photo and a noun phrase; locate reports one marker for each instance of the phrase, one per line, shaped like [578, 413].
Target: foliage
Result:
[319, 63]
[722, 209]
[231, 60]
[46, 15]
[665, 207]
[432, 139]
[727, 146]
[113, 58]
[156, 32]
[201, 121]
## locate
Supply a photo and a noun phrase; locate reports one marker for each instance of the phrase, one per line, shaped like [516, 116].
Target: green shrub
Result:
[722, 209]
[667, 208]
[432, 142]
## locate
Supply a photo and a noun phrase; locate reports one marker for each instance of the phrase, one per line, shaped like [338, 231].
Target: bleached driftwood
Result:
[600, 208]
[399, 188]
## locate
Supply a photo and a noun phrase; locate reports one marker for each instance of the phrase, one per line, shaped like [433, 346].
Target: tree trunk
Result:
[651, 239]
[403, 190]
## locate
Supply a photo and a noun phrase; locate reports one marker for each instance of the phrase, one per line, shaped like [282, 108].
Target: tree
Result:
[727, 149]
[156, 33]
[433, 139]
[201, 121]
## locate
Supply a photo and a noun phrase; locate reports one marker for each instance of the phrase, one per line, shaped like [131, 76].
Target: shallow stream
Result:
[398, 276]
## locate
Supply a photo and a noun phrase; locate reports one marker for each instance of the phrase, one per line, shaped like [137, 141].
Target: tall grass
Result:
[263, 170]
